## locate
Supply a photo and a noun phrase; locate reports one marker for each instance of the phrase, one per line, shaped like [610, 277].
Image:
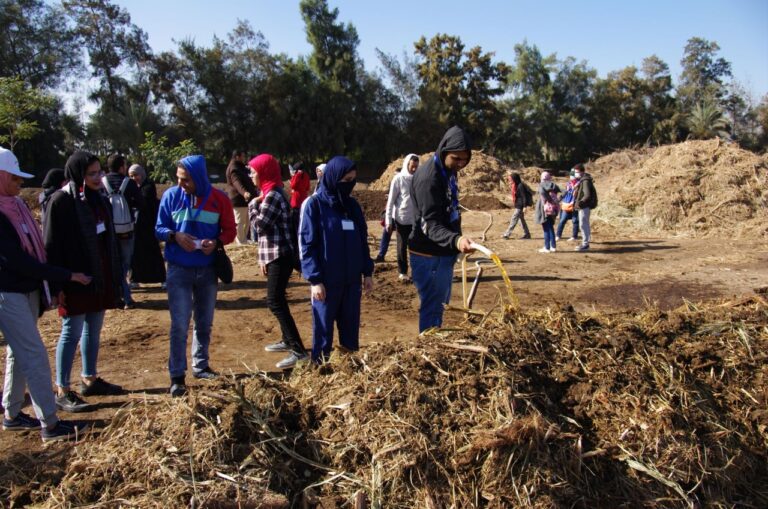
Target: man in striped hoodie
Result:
[193, 220]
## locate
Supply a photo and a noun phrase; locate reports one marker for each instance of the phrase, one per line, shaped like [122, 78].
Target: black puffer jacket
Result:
[433, 231]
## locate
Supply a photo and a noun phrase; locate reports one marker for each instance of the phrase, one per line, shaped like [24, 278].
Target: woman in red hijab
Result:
[276, 253]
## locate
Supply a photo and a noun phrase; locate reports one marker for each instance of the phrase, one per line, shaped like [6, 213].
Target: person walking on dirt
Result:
[273, 222]
[399, 212]
[80, 236]
[521, 198]
[567, 211]
[333, 241]
[436, 238]
[585, 199]
[547, 209]
[24, 279]
[118, 174]
[194, 220]
[240, 190]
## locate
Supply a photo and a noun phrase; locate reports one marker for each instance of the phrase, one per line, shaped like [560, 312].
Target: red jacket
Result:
[299, 188]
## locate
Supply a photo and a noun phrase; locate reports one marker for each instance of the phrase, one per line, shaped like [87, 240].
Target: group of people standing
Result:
[575, 205]
[79, 263]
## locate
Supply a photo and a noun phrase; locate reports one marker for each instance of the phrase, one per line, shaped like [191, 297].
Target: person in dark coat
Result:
[436, 238]
[241, 191]
[79, 236]
[335, 259]
[148, 265]
[53, 181]
[520, 196]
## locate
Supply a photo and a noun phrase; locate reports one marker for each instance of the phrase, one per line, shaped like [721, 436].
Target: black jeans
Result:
[403, 232]
[278, 273]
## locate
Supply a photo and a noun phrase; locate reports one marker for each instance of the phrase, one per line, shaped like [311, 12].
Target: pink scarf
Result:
[21, 218]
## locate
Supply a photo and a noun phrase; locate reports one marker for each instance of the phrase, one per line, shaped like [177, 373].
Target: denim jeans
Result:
[549, 232]
[86, 329]
[384, 246]
[403, 232]
[432, 276]
[126, 255]
[26, 364]
[190, 289]
[278, 273]
[564, 217]
[586, 233]
[517, 215]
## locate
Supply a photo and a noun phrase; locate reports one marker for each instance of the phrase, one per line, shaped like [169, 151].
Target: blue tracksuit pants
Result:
[342, 306]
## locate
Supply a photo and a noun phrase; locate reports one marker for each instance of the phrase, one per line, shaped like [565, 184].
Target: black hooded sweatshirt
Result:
[433, 231]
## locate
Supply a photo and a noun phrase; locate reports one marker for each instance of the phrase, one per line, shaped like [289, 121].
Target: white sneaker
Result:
[557, 238]
[552, 250]
[403, 278]
[571, 239]
[543, 250]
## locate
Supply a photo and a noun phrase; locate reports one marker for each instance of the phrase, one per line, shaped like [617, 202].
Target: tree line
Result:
[237, 94]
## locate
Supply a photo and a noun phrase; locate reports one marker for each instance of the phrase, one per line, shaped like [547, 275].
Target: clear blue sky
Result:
[608, 34]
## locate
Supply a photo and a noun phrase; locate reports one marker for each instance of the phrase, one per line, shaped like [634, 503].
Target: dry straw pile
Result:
[696, 188]
[483, 175]
[545, 409]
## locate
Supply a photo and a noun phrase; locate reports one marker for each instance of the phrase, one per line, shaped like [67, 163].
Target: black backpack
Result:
[527, 196]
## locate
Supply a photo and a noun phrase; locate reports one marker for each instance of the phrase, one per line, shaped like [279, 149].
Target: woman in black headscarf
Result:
[52, 182]
[79, 236]
[147, 265]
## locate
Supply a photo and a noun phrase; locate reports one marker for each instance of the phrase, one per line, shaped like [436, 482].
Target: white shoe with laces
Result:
[543, 250]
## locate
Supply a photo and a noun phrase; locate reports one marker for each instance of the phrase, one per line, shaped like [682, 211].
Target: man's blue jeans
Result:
[432, 276]
[190, 289]
[86, 329]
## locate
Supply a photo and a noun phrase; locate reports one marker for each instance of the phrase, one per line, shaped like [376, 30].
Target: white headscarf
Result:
[404, 173]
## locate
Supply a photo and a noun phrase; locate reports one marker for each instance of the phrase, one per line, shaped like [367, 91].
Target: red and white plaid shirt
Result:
[272, 222]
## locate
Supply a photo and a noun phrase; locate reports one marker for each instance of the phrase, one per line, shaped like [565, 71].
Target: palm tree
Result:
[706, 121]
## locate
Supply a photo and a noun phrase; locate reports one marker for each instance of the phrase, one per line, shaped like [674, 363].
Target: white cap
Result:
[9, 163]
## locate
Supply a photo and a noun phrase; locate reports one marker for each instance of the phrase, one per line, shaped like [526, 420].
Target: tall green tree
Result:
[458, 86]
[18, 102]
[114, 45]
[704, 74]
[36, 43]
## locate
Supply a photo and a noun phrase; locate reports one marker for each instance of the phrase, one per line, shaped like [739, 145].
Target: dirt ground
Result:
[619, 272]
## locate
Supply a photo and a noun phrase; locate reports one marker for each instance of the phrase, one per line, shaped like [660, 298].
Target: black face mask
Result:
[345, 188]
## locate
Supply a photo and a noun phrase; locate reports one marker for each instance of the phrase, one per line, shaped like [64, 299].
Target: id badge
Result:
[347, 225]
[100, 227]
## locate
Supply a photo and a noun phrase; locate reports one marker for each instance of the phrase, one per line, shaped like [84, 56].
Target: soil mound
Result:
[696, 188]
[543, 409]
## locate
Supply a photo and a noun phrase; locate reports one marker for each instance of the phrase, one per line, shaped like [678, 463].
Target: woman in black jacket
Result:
[147, 265]
[79, 236]
[24, 277]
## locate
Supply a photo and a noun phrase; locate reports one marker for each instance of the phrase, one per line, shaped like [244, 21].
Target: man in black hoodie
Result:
[436, 238]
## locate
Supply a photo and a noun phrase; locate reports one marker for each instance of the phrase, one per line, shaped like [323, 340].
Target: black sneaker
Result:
[379, 259]
[178, 390]
[64, 430]
[72, 403]
[282, 346]
[206, 374]
[100, 387]
[526, 236]
[21, 422]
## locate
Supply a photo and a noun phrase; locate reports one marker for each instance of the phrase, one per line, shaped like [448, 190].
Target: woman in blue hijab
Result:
[335, 259]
